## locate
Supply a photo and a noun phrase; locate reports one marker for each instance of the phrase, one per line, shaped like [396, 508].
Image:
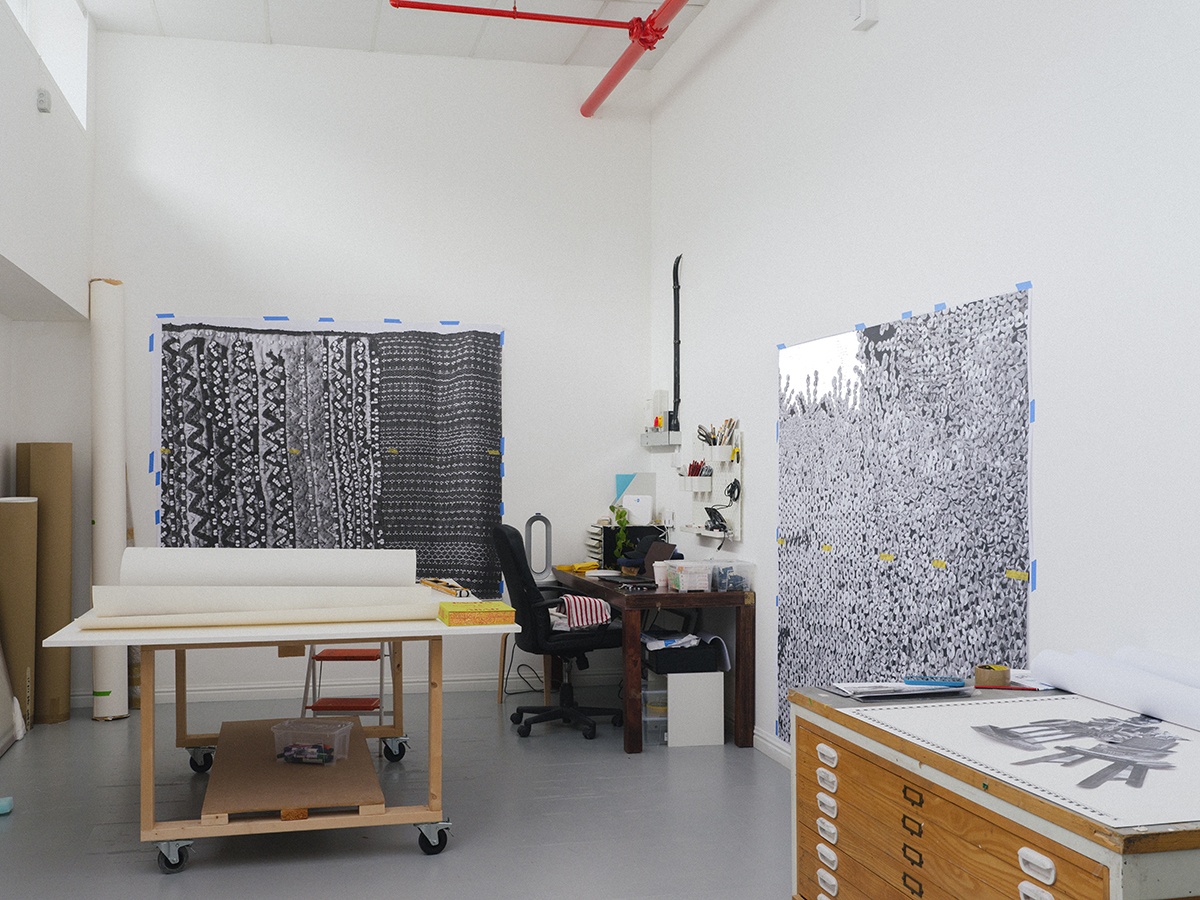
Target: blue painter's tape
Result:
[158, 517]
[164, 315]
[939, 307]
[275, 318]
[151, 469]
[325, 319]
[781, 346]
[501, 446]
[777, 432]
[502, 339]
[391, 321]
[1033, 575]
[1032, 410]
[501, 470]
[861, 326]
[449, 322]
[151, 343]
[1025, 286]
[777, 728]
[501, 585]
[158, 479]
[776, 599]
[906, 315]
[502, 509]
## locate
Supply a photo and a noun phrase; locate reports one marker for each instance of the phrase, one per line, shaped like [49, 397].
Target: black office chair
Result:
[532, 605]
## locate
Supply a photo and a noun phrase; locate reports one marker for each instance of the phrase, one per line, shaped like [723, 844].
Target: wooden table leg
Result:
[631, 648]
[435, 725]
[743, 678]
[147, 742]
[397, 651]
[181, 719]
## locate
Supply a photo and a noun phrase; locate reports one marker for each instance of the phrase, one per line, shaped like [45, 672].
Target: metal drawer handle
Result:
[913, 856]
[827, 755]
[913, 796]
[912, 826]
[1037, 865]
[827, 856]
[827, 780]
[827, 883]
[914, 887]
[827, 830]
[827, 805]
[1030, 891]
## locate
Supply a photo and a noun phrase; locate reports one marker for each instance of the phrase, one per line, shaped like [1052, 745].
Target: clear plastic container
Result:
[689, 575]
[312, 740]
[733, 575]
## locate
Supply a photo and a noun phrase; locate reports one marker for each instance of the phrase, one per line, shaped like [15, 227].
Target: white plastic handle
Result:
[1037, 865]
[827, 805]
[1030, 891]
[827, 755]
[827, 780]
[827, 882]
[827, 856]
[827, 830]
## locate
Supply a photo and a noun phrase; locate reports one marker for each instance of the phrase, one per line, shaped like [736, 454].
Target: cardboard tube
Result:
[110, 665]
[18, 597]
[44, 471]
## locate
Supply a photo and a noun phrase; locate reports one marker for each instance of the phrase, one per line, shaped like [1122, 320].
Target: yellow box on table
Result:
[476, 612]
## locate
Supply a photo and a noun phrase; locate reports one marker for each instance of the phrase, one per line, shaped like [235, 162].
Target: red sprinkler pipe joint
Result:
[640, 40]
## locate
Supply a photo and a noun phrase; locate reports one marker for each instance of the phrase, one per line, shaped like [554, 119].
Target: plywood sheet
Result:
[246, 777]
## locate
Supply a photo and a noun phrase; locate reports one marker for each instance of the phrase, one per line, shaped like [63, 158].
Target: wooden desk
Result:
[632, 604]
[880, 815]
[173, 837]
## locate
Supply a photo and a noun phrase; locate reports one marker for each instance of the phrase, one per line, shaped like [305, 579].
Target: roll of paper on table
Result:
[991, 676]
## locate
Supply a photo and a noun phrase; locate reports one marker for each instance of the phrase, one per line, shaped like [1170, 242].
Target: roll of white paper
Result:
[397, 613]
[261, 566]
[110, 666]
[1111, 681]
[1176, 668]
[267, 601]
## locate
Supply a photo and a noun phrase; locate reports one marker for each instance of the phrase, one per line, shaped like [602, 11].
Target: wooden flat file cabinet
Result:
[877, 817]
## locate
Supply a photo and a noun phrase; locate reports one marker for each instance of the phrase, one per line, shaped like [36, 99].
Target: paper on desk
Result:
[677, 640]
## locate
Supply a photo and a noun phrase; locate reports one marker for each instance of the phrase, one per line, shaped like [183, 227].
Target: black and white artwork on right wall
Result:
[904, 498]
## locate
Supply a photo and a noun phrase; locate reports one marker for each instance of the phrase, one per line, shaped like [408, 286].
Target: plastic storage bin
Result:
[312, 740]
[733, 575]
[689, 575]
[654, 717]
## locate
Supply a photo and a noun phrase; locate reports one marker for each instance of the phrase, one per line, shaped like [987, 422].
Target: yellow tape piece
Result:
[828, 548]
[393, 451]
[888, 557]
[293, 451]
[939, 564]
[1017, 574]
[493, 453]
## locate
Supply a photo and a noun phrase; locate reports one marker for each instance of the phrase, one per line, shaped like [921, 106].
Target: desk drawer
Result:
[851, 879]
[892, 808]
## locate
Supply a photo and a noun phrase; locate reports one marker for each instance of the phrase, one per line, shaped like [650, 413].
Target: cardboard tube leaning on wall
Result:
[18, 596]
[44, 471]
[110, 665]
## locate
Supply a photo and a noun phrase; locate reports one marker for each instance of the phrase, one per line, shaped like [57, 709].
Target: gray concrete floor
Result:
[543, 816]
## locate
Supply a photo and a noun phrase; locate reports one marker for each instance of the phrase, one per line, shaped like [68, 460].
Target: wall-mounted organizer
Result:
[719, 492]
[664, 439]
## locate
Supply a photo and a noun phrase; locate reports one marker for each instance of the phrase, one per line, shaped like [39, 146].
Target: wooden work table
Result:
[631, 605]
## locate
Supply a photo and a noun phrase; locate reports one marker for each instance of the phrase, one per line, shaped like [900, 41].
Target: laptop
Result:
[658, 552]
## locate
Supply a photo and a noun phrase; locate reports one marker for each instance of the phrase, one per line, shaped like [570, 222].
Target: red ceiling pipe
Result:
[642, 37]
[509, 14]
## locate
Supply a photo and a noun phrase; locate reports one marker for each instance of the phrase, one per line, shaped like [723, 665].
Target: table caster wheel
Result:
[394, 755]
[170, 868]
[429, 847]
[203, 764]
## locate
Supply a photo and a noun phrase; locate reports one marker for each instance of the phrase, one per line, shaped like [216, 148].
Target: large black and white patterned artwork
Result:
[903, 498]
[334, 439]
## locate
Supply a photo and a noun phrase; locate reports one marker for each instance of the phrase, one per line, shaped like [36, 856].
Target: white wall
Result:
[949, 153]
[45, 190]
[249, 180]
